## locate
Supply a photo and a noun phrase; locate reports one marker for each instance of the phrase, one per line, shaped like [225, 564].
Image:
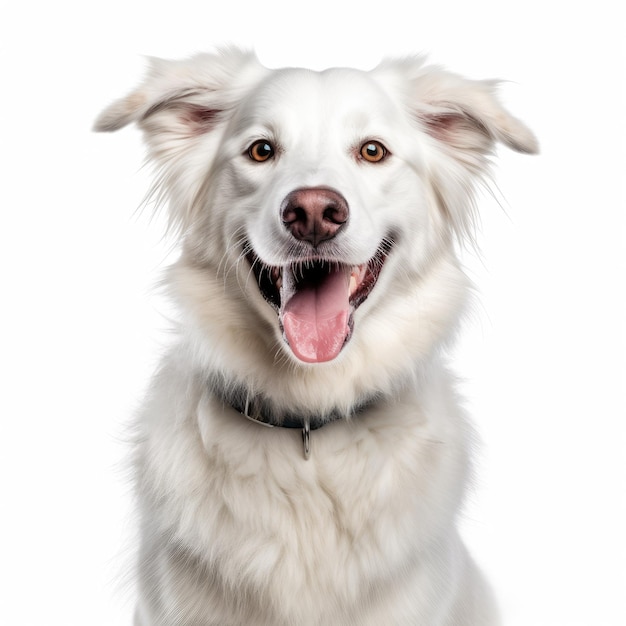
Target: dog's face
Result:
[304, 189]
[322, 171]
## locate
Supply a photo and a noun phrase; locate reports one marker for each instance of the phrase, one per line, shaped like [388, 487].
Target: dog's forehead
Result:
[336, 93]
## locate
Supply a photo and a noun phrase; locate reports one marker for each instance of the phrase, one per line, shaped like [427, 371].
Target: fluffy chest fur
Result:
[304, 542]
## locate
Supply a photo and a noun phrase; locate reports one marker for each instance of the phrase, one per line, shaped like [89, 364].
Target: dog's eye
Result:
[261, 151]
[373, 151]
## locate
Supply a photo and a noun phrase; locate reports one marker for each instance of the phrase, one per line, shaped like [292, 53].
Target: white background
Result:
[543, 356]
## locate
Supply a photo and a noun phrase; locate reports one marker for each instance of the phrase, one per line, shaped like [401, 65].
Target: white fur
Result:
[238, 528]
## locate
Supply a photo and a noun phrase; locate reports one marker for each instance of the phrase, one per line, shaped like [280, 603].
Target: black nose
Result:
[314, 214]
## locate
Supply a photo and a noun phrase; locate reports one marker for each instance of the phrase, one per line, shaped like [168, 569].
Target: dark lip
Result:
[268, 277]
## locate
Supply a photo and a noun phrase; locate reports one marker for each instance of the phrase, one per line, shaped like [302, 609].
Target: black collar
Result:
[261, 410]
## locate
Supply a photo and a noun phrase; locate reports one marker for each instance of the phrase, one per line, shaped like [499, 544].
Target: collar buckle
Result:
[253, 418]
[306, 427]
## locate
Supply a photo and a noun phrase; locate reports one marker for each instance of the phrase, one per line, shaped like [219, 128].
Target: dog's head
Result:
[316, 183]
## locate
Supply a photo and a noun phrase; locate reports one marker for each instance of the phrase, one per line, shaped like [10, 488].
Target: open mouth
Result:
[316, 299]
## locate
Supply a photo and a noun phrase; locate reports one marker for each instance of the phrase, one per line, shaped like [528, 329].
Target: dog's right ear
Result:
[186, 96]
[180, 106]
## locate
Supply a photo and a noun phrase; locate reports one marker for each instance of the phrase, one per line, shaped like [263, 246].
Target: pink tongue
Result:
[315, 319]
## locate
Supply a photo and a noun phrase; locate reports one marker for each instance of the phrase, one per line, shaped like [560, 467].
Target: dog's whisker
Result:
[224, 266]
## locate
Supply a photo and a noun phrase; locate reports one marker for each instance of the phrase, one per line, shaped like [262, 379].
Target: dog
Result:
[301, 456]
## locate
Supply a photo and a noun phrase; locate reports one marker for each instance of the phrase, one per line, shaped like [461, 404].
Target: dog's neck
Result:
[261, 410]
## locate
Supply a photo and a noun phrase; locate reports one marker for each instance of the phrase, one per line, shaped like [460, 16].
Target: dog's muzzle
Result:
[316, 294]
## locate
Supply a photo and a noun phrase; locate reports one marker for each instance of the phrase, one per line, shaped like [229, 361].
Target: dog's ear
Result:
[464, 120]
[465, 115]
[185, 96]
[180, 106]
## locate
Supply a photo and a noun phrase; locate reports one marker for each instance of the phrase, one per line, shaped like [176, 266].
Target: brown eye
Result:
[373, 151]
[261, 151]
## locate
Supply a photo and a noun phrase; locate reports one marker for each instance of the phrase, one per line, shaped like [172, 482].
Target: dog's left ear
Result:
[465, 115]
[464, 120]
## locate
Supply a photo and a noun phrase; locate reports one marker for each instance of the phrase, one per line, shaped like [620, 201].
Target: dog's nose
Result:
[314, 214]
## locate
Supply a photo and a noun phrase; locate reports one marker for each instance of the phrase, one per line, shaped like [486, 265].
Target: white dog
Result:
[317, 285]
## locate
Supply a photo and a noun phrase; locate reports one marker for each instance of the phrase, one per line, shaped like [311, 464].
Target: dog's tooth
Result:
[357, 276]
[275, 275]
[286, 282]
[353, 283]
